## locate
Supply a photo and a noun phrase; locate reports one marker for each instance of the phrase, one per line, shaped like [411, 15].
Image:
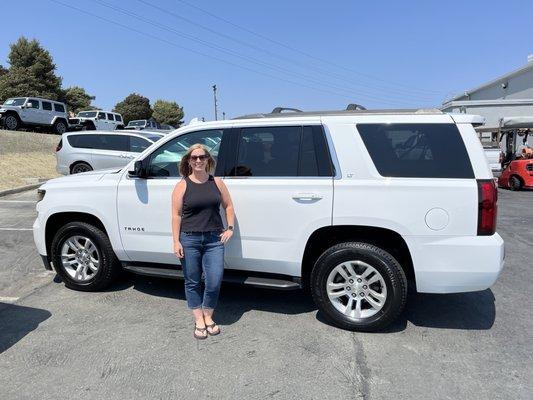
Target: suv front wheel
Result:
[359, 286]
[11, 122]
[83, 257]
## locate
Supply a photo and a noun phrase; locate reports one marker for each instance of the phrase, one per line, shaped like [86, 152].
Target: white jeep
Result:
[99, 120]
[34, 112]
[350, 205]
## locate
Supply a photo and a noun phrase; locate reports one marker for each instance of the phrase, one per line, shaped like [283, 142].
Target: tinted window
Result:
[165, 160]
[118, 118]
[87, 114]
[138, 145]
[47, 106]
[85, 141]
[101, 115]
[314, 159]
[110, 117]
[417, 150]
[34, 103]
[59, 107]
[113, 142]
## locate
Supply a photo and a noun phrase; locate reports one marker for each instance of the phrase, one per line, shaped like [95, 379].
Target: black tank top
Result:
[201, 205]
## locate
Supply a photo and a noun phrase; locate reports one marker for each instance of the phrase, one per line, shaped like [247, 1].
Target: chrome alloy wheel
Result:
[356, 289]
[80, 258]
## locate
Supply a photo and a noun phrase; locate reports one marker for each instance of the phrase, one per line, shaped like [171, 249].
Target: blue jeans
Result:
[203, 251]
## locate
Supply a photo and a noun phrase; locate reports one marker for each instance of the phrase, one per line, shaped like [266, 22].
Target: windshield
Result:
[141, 122]
[14, 102]
[87, 114]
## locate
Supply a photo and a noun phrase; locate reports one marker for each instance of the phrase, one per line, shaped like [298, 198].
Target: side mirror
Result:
[139, 170]
[28, 105]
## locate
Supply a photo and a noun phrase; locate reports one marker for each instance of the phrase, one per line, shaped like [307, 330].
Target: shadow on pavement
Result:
[17, 321]
[468, 311]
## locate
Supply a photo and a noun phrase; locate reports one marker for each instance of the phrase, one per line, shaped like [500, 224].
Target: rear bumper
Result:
[456, 264]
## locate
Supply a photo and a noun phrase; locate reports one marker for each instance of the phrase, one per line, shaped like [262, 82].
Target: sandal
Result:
[212, 326]
[200, 337]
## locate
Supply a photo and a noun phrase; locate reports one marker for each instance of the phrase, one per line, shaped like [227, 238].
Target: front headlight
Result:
[40, 194]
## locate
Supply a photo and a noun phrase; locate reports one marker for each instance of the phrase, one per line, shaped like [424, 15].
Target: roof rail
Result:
[279, 110]
[352, 109]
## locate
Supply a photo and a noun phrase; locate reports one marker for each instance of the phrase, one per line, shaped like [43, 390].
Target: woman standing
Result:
[199, 235]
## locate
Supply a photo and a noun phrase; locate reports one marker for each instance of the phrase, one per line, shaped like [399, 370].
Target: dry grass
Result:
[26, 157]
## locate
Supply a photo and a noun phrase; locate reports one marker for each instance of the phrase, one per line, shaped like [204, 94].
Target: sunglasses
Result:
[203, 157]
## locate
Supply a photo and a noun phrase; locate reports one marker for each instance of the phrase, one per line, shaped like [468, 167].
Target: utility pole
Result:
[223, 115]
[215, 97]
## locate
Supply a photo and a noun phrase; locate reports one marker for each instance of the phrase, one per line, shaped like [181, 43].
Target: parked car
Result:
[140, 124]
[34, 112]
[351, 205]
[165, 127]
[86, 151]
[100, 120]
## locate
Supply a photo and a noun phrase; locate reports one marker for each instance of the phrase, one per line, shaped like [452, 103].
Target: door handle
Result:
[306, 196]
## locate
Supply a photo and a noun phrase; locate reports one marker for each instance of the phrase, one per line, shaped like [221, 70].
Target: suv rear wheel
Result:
[515, 183]
[83, 257]
[60, 127]
[359, 286]
[11, 122]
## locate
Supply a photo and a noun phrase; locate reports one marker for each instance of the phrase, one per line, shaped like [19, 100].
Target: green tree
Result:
[133, 107]
[2, 70]
[168, 112]
[77, 99]
[31, 72]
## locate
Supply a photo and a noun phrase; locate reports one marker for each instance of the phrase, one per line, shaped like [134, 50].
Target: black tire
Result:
[12, 122]
[80, 167]
[60, 127]
[515, 183]
[387, 266]
[109, 265]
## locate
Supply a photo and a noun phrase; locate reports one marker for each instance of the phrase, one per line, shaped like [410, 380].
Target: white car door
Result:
[48, 113]
[282, 192]
[101, 121]
[144, 204]
[34, 114]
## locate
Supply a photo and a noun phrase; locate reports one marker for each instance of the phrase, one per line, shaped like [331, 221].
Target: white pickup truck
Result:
[350, 205]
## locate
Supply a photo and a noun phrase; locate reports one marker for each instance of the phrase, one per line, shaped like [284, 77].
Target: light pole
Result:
[215, 97]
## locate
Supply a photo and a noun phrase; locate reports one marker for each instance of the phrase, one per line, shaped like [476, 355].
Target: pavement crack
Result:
[360, 373]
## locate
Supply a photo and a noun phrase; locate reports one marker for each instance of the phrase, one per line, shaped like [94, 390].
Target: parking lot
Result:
[135, 339]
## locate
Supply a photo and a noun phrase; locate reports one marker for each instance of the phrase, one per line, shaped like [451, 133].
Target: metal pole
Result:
[215, 97]
[223, 115]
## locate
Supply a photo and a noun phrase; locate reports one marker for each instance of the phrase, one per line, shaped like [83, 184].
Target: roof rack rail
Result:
[352, 109]
[279, 110]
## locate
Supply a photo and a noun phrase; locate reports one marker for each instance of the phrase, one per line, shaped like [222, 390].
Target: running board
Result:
[264, 282]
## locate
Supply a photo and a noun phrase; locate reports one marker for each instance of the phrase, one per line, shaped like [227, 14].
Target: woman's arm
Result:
[228, 207]
[177, 204]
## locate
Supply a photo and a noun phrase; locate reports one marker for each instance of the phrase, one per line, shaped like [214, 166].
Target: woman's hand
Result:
[178, 249]
[226, 235]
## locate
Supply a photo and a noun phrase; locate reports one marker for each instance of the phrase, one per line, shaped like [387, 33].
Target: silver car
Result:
[92, 150]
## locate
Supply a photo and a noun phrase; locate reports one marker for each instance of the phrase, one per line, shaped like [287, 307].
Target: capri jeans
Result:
[203, 252]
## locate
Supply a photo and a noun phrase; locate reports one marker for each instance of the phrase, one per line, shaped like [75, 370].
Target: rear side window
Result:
[59, 108]
[110, 117]
[83, 141]
[118, 118]
[417, 150]
[113, 142]
[47, 106]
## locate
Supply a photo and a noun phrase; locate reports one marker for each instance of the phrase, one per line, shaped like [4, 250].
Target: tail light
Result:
[487, 207]
[59, 145]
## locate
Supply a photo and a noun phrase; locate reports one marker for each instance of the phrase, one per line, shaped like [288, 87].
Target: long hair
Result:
[185, 168]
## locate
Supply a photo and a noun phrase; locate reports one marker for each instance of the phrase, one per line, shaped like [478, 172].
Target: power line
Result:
[264, 37]
[253, 60]
[198, 52]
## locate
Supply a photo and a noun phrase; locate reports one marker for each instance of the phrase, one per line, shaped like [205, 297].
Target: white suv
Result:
[350, 205]
[100, 120]
[22, 112]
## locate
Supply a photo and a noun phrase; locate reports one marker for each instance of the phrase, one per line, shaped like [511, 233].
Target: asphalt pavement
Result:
[135, 340]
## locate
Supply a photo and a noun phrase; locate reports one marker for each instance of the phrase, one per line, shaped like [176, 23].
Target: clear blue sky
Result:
[379, 54]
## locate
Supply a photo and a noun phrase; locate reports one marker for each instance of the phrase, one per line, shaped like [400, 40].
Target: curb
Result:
[21, 189]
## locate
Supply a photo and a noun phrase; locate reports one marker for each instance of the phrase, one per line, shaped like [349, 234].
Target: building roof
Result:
[501, 79]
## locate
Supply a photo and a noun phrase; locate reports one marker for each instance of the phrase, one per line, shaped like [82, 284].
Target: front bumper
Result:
[456, 264]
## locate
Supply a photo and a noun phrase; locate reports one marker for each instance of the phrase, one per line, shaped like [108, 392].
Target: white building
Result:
[510, 95]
